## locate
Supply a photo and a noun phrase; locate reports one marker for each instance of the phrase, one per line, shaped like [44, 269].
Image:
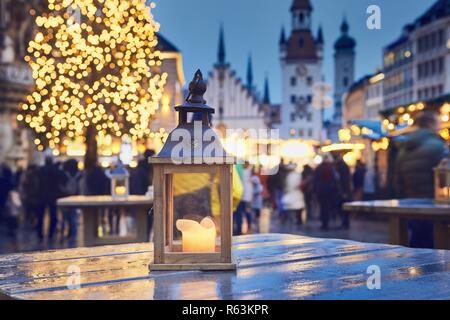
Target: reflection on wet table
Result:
[271, 266]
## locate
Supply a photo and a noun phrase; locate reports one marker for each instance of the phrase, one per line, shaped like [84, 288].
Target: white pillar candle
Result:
[198, 237]
[120, 190]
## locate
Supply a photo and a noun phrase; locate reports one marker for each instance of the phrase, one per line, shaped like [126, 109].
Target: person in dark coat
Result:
[148, 166]
[7, 217]
[326, 188]
[71, 188]
[276, 186]
[307, 187]
[345, 190]
[52, 187]
[96, 182]
[140, 178]
[358, 180]
[31, 194]
[6, 186]
[422, 150]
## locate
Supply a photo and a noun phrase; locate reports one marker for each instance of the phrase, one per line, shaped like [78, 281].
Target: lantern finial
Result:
[197, 89]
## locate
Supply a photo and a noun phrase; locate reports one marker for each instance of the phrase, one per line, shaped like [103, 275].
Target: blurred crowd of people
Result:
[28, 194]
[297, 195]
[293, 195]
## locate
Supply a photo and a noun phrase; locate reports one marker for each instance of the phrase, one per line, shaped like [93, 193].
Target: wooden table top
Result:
[410, 207]
[270, 266]
[102, 201]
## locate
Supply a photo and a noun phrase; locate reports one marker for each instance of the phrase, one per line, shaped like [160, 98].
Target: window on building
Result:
[309, 98]
[310, 132]
[433, 39]
[293, 81]
[425, 69]
[292, 117]
[292, 132]
[441, 65]
[293, 99]
[301, 42]
[440, 37]
[309, 81]
[309, 117]
[345, 82]
[301, 17]
[425, 43]
[300, 133]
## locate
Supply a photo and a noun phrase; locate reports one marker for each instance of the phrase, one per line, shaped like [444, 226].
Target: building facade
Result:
[417, 65]
[374, 97]
[430, 37]
[237, 104]
[16, 30]
[344, 69]
[354, 102]
[344, 76]
[364, 99]
[301, 57]
[172, 65]
[398, 86]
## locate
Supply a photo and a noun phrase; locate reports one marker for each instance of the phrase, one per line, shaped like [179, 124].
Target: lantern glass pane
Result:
[442, 185]
[120, 186]
[194, 215]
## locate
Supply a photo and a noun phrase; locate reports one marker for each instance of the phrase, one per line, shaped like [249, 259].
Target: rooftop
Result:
[165, 45]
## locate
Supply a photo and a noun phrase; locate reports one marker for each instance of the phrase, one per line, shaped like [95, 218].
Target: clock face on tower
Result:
[302, 71]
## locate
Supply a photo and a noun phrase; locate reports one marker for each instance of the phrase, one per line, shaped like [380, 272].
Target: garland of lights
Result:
[95, 64]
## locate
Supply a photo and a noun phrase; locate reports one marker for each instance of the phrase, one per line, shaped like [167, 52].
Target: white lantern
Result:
[119, 182]
[442, 182]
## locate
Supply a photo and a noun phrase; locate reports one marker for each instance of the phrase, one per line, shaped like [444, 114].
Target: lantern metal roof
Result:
[119, 171]
[193, 140]
[444, 165]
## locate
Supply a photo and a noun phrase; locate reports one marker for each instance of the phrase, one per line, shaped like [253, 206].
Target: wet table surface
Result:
[400, 211]
[90, 205]
[104, 201]
[271, 266]
[414, 208]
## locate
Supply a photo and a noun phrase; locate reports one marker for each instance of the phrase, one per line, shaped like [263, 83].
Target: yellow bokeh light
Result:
[92, 65]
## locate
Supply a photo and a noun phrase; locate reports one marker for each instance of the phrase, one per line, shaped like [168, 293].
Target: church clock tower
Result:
[301, 65]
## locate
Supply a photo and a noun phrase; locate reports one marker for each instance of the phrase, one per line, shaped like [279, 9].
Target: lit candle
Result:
[198, 237]
[120, 190]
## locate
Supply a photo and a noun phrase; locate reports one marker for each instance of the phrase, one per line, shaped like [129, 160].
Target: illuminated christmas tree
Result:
[96, 71]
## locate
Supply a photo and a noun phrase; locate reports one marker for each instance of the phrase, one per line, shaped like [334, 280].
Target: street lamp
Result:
[191, 230]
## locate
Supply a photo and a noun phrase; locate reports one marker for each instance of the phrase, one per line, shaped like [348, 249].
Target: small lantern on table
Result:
[192, 178]
[442, 182]
[119, 182]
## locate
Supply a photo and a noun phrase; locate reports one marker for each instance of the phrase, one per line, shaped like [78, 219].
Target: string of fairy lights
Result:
[95, 63]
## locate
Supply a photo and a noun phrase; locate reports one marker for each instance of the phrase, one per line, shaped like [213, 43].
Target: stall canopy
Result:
[375, 127]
